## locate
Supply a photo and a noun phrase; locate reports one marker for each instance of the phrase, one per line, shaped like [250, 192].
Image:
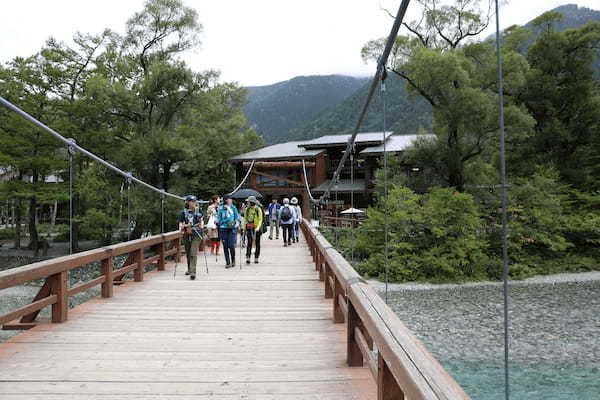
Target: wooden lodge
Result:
[278, 170]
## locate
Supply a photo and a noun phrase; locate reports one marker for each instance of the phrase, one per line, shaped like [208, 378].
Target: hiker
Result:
[191, 224]
[298, 219]
[274, 208]
[287, 217]
[227, 220]
[211, 225]
[253, 225]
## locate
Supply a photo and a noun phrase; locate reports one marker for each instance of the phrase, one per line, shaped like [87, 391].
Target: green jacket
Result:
[254, 215]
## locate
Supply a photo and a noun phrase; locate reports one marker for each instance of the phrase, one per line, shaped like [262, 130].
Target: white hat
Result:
[286, 201]
[294, 200]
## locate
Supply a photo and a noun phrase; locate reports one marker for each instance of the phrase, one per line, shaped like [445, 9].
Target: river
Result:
[554, 334]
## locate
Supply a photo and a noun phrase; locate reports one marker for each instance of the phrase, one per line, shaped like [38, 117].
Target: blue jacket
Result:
[227, 216]
[274, 210]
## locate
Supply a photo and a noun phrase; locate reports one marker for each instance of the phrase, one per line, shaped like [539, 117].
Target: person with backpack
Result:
[228, 220]
[287, 216]
[253, 226]
[191, 225]
[211, 225]
[274, 208]
[298, 219]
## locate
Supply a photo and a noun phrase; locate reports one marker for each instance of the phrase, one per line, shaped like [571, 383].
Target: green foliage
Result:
[432, 237]
[131, 100]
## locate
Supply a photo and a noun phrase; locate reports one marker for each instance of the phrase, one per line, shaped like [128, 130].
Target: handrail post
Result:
[387, 387]
[60, 287]
[354, 356]
[107, 271]
[177, 245]
[338, 291]
[161, 254]
[138, 273]
[321, 267]
[328, 288]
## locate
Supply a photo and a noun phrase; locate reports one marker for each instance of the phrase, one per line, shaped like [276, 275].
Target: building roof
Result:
[344, 185]
[365, 139]
[287, 151]
[394, 144]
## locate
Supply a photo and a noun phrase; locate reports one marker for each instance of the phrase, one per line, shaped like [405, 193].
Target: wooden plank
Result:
[43, 292]
[29, 308]
[366, 351]
[151, 260]
[122, 271]
[108, 273]
[59, 287]
[85, 286]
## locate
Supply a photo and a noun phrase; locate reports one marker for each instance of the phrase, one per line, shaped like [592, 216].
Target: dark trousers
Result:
[253, 236]
[228, 237]
[288, 232]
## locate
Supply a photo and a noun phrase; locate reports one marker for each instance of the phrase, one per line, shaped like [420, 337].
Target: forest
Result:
[445, 222]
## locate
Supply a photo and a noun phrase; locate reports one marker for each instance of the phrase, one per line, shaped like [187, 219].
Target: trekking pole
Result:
[204, 250]
[241, 249]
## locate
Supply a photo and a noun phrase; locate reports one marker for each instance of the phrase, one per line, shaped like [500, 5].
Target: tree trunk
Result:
[33, 235]
[17, 222]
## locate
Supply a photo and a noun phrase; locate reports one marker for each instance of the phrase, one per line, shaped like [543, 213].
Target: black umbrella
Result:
[243, 194]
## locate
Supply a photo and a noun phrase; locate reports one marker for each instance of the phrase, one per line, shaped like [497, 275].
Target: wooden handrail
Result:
[403, 368]
[56, 291]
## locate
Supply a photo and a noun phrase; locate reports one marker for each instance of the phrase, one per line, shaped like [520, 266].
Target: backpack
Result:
[286, 213]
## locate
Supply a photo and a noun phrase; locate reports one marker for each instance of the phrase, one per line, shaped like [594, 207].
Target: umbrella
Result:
[243, 194]
[352, 211]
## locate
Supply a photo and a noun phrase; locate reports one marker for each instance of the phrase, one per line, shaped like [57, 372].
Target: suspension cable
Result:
[70, 151]
[380, 70]
[504, 201]
[385, 190]
[306, 183]
[80, 149]
[243, 180]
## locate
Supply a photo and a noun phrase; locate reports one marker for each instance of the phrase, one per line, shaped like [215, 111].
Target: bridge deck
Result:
[263, 332]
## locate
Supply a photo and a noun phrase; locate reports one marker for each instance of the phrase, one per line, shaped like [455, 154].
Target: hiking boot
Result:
[289, 243]
[192, 277]
[228, 265]
[256, 261]
[248, 260]
[270, 237]
[284, 244]
[187, 272]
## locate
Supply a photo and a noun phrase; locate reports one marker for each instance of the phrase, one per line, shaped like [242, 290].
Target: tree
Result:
[563, 95]
[457, 79]
[31, 153]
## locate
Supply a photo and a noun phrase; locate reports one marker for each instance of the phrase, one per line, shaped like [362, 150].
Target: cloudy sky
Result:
[254, 42]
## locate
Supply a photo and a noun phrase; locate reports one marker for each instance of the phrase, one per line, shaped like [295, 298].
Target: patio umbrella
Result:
[243, 194]
[352, 211]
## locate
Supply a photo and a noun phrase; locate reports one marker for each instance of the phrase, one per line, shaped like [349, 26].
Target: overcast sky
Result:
[254, 42]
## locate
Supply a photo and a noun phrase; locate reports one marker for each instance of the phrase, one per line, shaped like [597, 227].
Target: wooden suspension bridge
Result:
[300, 325]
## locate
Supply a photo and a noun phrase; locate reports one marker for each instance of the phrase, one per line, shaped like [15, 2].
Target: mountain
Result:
[405, 114]
[277, 109]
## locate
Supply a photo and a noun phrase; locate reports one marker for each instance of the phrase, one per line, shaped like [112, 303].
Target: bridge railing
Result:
[402, 366]
[55, 291]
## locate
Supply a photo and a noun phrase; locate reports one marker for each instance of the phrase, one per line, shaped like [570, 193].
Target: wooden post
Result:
[317, 260]
[354, 356]
[161, 253]
[321, 266]
[387, 387]
[60, 287]
[107, 271]
[177, 245]
[328, 288]
[338, 314]
[138, 273]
